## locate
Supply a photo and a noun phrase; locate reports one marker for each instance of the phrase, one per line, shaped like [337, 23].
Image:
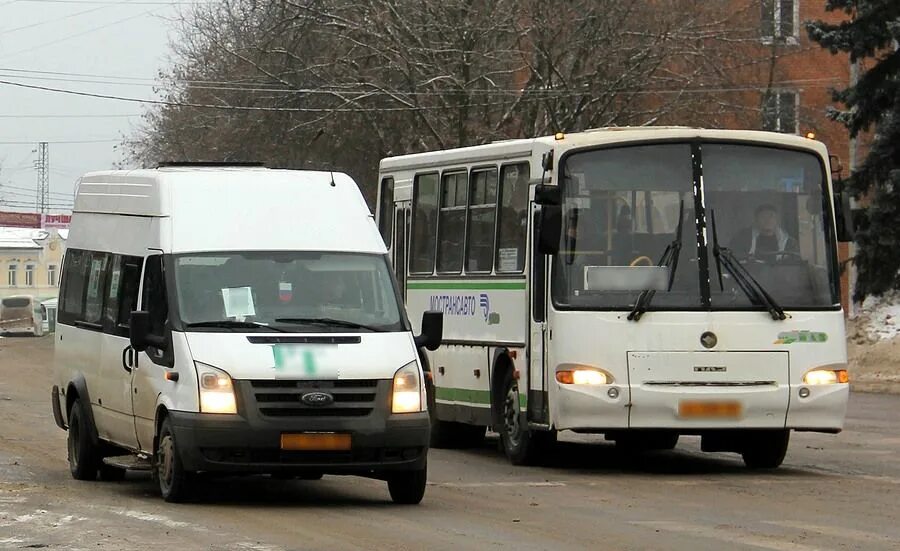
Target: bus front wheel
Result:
[766, 449]
[522, 445]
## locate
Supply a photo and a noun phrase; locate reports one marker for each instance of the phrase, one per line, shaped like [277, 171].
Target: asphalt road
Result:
[834, 492]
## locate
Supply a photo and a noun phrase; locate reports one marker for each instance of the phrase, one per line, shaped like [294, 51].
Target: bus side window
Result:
[155, 300]
[513, 220]
[482, 218]
[425, 207]
[97, 272]
[452, 222]
[386, 210]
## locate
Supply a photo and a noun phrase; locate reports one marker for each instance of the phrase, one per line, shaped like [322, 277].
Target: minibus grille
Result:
[351, 398]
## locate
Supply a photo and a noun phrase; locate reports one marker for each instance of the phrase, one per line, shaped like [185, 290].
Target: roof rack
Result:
[168, 164]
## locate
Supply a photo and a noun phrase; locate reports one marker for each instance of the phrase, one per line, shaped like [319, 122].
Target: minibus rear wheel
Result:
[408, 487]
[84, 455]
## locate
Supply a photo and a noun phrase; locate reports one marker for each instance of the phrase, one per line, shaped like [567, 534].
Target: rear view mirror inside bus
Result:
[549, 229]
[432, 330]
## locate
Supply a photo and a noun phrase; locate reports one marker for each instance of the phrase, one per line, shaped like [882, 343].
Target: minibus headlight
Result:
[216, 390]
[407, 392]
[826, 377]
[583, 376]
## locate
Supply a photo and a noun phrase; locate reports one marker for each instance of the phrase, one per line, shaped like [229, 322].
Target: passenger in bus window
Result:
[623, 238]
[765, 240]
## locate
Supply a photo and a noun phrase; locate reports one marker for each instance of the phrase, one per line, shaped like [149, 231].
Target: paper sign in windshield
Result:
[509, 259]
[238, 302]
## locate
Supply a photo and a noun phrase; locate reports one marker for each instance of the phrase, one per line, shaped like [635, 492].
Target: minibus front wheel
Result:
[174, 481]
[408, 487]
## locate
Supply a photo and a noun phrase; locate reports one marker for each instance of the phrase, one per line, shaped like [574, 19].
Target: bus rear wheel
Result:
[766, 449]
[522, 445]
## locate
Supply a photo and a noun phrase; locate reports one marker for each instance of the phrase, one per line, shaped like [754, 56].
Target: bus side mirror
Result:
[843, 216]
[545, 194]
[432, 330]
[549, 229]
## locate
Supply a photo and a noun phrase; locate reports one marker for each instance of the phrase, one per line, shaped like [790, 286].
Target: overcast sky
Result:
[124, 41]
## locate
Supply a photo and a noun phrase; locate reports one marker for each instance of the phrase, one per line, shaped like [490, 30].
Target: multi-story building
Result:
[30, 261]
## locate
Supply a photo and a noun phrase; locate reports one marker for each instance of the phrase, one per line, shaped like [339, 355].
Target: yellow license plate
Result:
[709, 410]
[317, 442]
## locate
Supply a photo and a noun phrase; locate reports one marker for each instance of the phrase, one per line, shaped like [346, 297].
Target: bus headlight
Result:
[407, 390]
[216, 390]
[826, 377]
[583, 376]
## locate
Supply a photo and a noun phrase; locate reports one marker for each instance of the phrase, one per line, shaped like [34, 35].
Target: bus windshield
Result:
[623, 208]
[286, 291]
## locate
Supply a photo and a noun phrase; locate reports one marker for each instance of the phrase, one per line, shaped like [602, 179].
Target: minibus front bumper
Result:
[252, 442]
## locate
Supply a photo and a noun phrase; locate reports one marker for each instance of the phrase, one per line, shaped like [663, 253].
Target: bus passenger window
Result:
[425, 206]
[482, 214]
[386, 210]
[513, 215]
[452, 224]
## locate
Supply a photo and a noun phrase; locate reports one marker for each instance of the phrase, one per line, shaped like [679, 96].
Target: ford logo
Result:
[317, 399]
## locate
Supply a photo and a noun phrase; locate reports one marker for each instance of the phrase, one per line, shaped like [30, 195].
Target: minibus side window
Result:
[154, 297]
[121, 294]
[72, 289]
[97, 269]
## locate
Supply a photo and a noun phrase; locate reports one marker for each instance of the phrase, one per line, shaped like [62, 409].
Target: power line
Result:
[40, 23]
[69, 116]
[65, 142]
[110, 2]
[76, 35]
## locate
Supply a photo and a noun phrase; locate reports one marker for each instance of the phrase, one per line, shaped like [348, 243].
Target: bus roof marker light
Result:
[559, 136]
[811, 135]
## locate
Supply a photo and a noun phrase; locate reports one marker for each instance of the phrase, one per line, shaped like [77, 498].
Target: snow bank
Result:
[879, 317]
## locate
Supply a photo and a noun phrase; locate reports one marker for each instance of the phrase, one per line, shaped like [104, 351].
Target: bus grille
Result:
[352, 398]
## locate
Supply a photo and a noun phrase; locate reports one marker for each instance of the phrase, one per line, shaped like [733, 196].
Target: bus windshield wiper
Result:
[330, 322]
[232, 324]
[745, 280]
[669, 259]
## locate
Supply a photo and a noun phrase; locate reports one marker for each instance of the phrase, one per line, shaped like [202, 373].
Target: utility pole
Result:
[42, 165]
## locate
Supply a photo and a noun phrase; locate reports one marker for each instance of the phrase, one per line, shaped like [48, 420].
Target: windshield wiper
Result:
[232, 324]
[330, 322]
[669, 259]
[745, 280]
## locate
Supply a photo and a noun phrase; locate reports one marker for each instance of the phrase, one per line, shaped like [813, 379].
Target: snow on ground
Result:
[879, 317]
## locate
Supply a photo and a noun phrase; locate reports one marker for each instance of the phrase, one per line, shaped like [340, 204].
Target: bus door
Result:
[538, 411]
[402, 211]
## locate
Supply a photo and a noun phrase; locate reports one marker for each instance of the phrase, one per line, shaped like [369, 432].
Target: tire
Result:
[175, 483]
[84, 454]
[522, 445]
[766, 449]
[408, 487]
[108, 473]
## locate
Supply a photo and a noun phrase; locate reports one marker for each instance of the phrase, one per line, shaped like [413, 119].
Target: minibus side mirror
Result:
[141, 338]
[432, 330]
[549, 228]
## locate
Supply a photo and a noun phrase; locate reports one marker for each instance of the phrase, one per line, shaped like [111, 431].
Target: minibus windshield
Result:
[309, 292]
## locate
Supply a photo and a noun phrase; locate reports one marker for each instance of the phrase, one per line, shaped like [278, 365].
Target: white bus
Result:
[640, 283]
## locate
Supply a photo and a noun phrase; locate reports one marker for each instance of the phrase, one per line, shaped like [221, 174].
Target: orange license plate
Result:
[709, 410]
[316, 442]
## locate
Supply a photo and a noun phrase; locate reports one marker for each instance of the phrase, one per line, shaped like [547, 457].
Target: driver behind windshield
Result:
[765, 240]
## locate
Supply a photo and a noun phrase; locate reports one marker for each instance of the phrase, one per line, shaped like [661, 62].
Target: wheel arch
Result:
[501, 364]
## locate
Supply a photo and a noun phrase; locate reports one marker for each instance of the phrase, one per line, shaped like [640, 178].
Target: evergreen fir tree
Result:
[872, 31]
